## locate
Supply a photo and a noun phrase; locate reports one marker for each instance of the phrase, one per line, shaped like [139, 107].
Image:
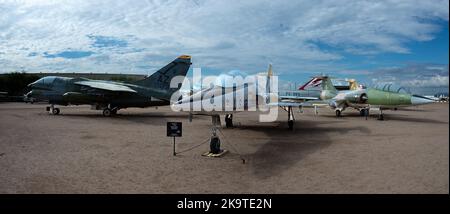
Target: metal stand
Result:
[214, 145]
[174, 153]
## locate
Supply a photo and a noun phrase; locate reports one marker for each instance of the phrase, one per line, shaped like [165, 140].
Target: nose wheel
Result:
[52, 109]
[107, 112]
[55, 111]
[338, 112]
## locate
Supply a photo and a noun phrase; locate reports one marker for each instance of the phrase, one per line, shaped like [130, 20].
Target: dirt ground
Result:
[80, 151]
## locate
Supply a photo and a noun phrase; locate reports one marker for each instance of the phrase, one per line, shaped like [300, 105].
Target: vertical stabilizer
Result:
[161, 79]
[327, 84]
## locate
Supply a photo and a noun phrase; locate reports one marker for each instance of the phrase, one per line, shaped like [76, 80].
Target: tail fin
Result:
[314, 82]
[327, 84]
[161, 79]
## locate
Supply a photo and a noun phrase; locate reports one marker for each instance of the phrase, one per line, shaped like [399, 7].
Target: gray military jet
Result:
[110, 96]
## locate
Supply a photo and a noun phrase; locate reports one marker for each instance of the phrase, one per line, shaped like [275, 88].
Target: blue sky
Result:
[402, 41]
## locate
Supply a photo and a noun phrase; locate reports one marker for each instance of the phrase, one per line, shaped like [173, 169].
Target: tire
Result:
[107, 112]
[364, 112]
[228, 122]
[291, 124]
[55, 111]
[338, 113]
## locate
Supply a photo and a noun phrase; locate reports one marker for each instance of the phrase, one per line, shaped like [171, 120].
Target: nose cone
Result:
[417, 100]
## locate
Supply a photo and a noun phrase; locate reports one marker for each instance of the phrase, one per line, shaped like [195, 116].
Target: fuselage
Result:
[374, 97]
[64, 91]
[224, 100]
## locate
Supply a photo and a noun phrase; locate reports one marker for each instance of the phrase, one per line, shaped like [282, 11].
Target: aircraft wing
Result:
[287, 104]
[106, 86]
[298, 98]
[316, 103]
[311, 103]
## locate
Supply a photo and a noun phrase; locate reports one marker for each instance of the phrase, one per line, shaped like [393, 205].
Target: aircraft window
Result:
[39, 81]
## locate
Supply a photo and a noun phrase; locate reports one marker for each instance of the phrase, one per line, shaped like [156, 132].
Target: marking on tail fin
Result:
[314, 82]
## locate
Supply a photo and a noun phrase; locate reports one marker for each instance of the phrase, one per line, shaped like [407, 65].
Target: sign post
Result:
[174, 153]
[174, 129]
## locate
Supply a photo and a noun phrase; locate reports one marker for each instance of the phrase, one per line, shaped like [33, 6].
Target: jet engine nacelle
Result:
[359, 97]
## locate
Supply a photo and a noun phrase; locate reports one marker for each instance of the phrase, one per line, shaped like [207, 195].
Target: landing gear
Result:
[215, 119]
[214, 142]
[338, 112]
[55, 111]
[290, 118]
[229, 120]
[364, 112]
[52, 109]
[380, 116]
[291, 124]
[107, 112]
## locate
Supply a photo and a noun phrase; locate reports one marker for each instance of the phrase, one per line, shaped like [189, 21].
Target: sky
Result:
[398, 41]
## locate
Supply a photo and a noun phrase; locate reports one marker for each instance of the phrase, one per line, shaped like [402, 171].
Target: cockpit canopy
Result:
[49, 81]
[45, 80]
[390, 87]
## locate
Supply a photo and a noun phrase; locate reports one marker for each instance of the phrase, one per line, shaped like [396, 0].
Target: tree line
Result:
[15, 83]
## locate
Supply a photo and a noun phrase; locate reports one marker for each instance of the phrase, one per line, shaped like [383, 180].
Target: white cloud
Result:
[418, 78]
[224, 35]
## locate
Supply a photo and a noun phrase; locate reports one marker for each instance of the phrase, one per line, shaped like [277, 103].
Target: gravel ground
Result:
[80, 151]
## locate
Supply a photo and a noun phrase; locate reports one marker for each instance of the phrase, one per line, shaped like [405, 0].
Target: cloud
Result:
[107, 41]
[126, 36]
[418, 78]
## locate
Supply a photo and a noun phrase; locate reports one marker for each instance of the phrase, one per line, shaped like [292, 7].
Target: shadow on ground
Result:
[285, 148]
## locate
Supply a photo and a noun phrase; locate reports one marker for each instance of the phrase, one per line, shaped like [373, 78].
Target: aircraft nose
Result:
[416, 100]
